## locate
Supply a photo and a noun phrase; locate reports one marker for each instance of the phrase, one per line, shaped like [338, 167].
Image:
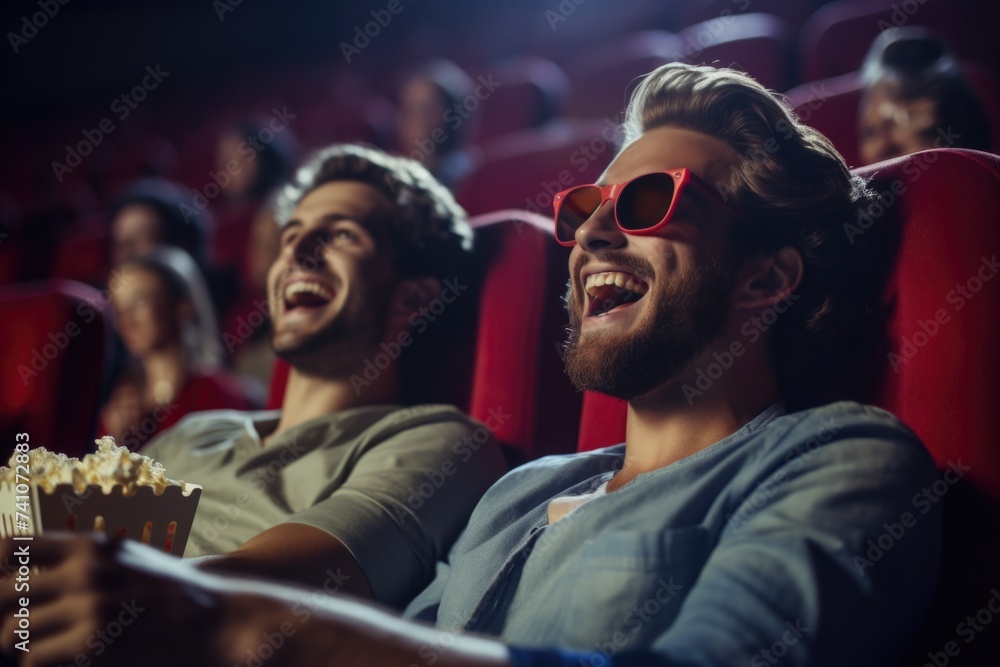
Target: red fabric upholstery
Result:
[532, 91]
[604, 75]
[276, 392]
[521, 326]
[55, 338]
[795, 13]
[836, 38]
[758, 44]
[525, 169]
[84, 254]
[831, 106]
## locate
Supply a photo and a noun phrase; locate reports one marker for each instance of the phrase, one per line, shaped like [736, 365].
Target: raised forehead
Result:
[343, 199]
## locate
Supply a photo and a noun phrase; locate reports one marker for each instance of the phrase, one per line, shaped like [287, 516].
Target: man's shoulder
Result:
[866, 435]
[405, 418]
[842, 420]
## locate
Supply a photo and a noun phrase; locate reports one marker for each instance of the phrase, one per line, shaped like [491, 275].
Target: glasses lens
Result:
[644, 202]
[578, 205]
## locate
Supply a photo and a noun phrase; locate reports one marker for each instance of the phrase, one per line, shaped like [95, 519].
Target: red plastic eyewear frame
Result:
[566, 231]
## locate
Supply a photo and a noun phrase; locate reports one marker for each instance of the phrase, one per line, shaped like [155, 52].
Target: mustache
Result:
[627, 261]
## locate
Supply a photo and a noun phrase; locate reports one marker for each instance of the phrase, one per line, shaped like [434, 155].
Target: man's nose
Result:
[600, 230]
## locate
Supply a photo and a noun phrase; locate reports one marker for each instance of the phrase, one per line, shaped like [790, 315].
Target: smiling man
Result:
[728, 530]
[331, 490]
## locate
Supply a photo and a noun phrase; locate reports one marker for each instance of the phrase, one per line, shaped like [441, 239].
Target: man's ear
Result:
[410, 295]
[765, 280]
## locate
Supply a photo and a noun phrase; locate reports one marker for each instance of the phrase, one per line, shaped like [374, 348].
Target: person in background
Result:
[430, 130]
[258, 157]
[153, 212]
[164, 318]
[248, 330]
[916, 98]
[148, 213]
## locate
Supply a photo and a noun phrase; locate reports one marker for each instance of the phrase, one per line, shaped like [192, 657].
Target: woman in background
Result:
[164, 317]
[916, 98]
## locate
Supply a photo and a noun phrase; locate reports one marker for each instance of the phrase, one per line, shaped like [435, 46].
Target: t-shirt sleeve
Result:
[406, 500]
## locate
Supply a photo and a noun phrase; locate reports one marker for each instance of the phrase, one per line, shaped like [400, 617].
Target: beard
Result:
[338, 348]
[687, 314]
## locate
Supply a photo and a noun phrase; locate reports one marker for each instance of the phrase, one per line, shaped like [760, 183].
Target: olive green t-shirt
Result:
[395, 485]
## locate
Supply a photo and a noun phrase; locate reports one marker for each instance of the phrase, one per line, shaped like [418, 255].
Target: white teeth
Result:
[617, 278]
[313, 288]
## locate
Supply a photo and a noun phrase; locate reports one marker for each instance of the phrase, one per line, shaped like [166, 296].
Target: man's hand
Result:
[114, 602]
[95, 601]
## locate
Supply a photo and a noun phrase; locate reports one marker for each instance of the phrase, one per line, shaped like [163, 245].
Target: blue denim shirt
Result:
[803, 538]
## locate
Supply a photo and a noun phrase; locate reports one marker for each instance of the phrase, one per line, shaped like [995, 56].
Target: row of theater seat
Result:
[944, 311]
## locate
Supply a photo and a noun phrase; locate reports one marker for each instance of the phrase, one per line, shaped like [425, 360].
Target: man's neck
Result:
[664, 427]
[309, 396]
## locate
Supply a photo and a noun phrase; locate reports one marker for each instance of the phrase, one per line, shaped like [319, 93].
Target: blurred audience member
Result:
[259, 156]
[164, 317]
[433, 123]
[156, 212]
[916, 98]
[248, 329]
[257, 159]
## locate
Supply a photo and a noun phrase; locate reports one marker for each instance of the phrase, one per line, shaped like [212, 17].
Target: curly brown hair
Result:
[428, 231]
[797, 190]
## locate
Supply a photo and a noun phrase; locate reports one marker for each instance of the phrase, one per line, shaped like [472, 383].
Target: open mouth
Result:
[612, 290]
[303, 296]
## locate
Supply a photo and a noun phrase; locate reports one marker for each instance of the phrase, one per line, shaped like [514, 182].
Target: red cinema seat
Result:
[83, 255]
[758, 44]
[831, 106]
[795, 13]
[56, 339]
[532, 92]
[603, 78]
[516, 374]
[940, 374]
[836, 38]
[525, 169]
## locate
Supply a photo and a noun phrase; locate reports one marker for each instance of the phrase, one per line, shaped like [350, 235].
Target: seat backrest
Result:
[795, 13]
[837, 36]
[532, 92]
[831, 106]
[515, 377]
[604, 77]
[524, 170]
[758, 44]
[55, 340]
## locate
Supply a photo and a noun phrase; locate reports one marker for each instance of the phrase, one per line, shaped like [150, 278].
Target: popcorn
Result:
[113, 490]
[108, 467]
